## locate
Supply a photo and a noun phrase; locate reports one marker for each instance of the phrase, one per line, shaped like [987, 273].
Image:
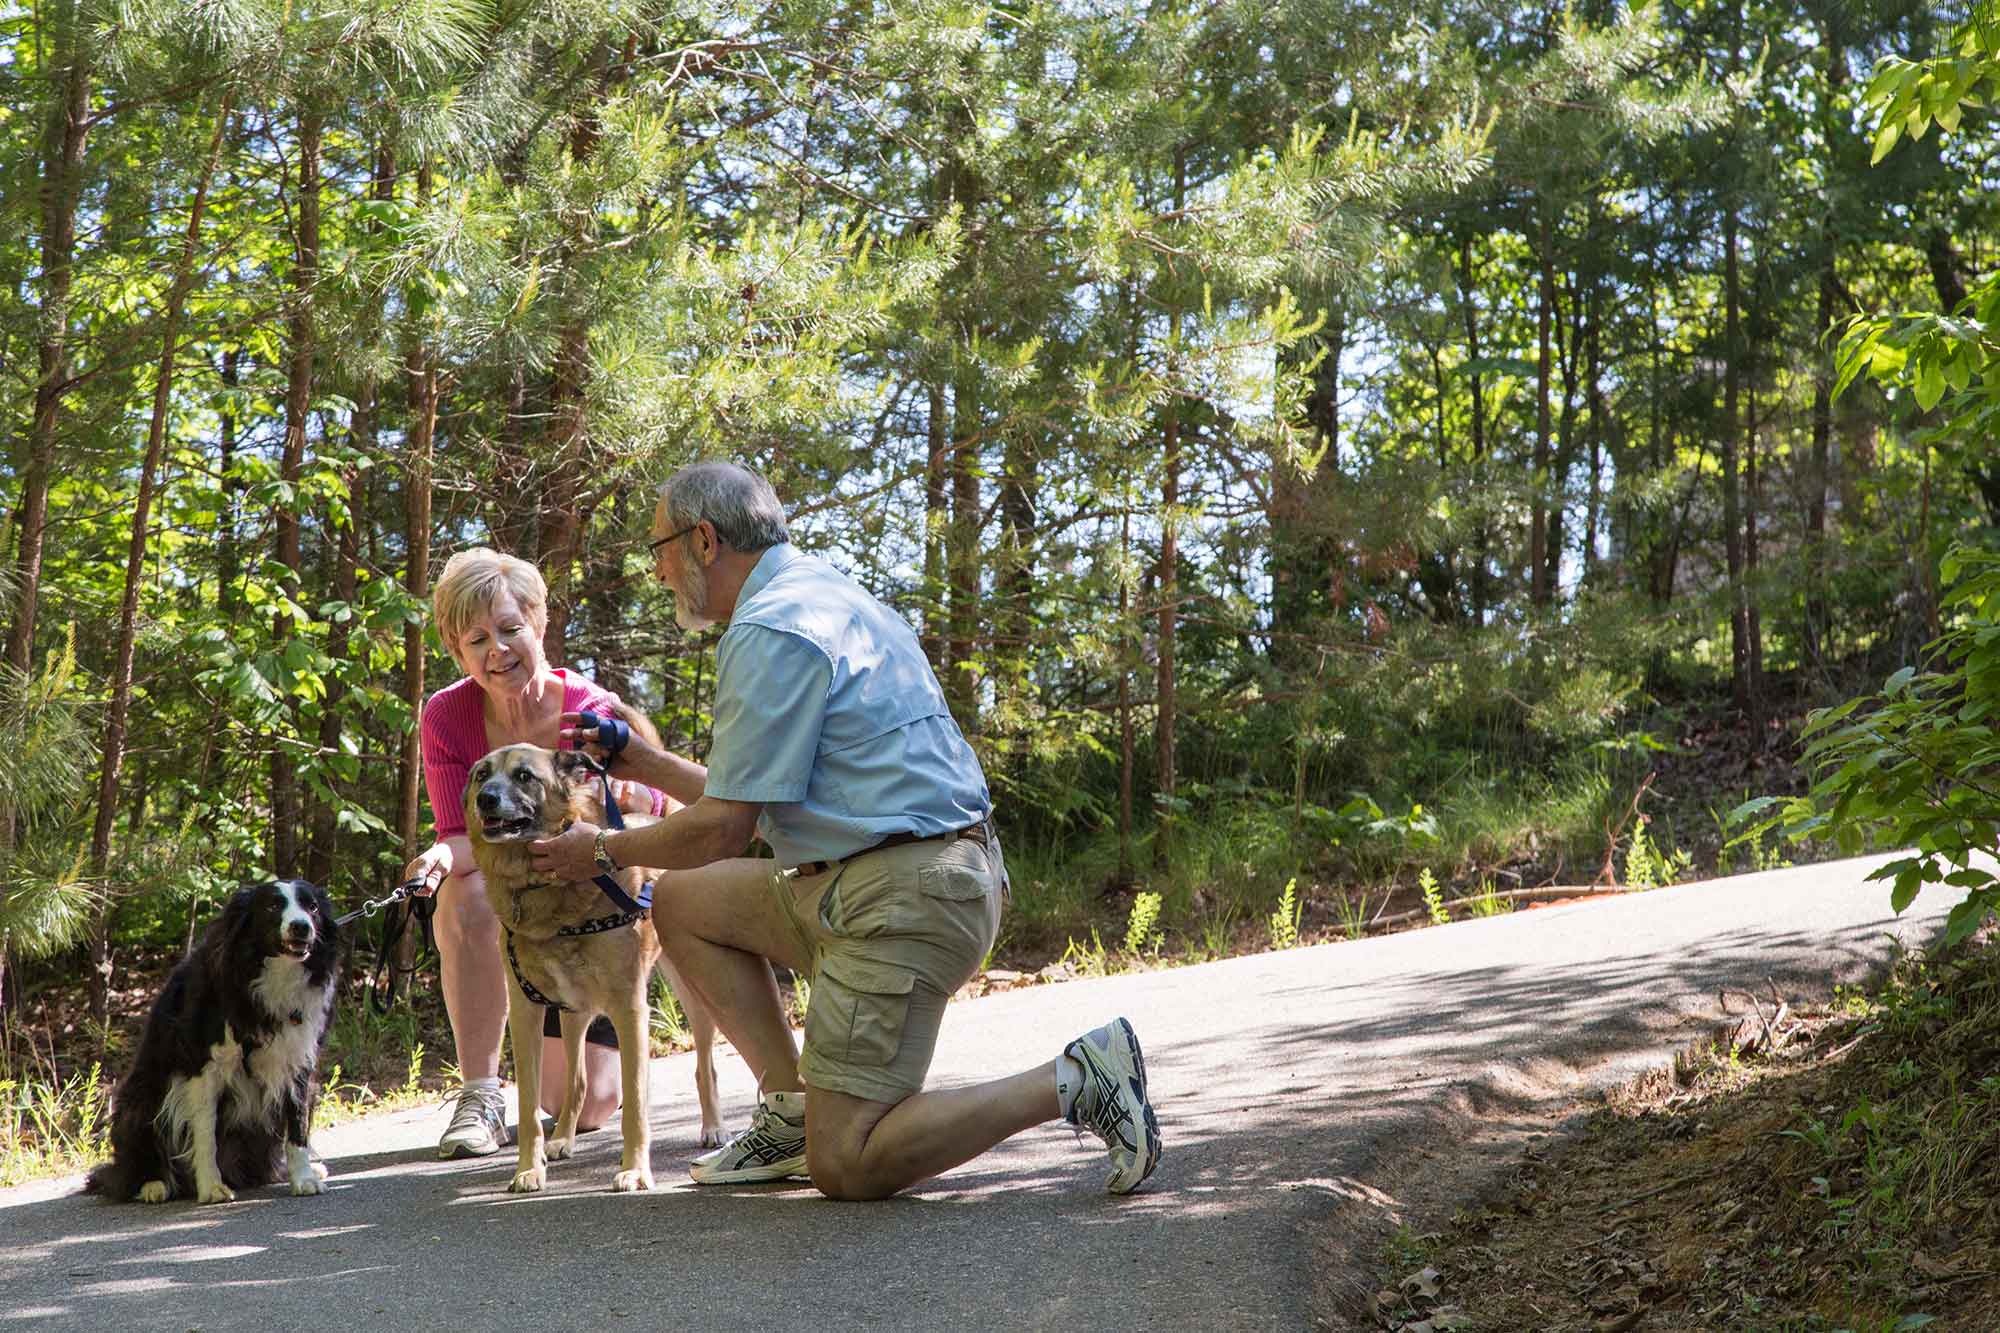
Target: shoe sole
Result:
[794, 1168]
[458, 1150]
[1148, 1120]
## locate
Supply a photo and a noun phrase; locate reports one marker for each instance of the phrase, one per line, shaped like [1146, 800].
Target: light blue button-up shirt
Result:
[828, 714]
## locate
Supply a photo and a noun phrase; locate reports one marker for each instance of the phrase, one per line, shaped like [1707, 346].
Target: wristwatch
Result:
[602, 854]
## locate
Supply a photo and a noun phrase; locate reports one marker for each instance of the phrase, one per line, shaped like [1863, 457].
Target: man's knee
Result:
[845, 1179]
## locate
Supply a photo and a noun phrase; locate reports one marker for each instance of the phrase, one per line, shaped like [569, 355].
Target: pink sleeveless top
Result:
[453, 738]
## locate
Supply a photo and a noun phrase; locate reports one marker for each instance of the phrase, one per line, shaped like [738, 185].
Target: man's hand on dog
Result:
[570, 855]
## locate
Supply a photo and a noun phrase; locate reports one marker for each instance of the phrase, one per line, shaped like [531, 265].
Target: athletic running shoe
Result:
[773, 1148]
[1112, 1102]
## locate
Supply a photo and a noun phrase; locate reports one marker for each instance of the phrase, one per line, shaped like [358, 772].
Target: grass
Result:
[52, 1126]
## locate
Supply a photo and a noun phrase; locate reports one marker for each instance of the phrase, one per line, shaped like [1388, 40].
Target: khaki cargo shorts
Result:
[891, 934]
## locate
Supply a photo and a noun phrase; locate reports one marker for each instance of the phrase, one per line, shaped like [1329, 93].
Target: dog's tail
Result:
[104, 1178]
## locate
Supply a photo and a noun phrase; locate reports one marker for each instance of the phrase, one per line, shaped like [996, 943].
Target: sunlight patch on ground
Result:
[195, 1254]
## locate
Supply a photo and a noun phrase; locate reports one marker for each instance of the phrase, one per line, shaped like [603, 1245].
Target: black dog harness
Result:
[632, 909]
[594, 926]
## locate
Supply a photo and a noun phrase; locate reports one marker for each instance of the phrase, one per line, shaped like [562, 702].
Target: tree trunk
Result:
[1732, 495]
[1481, 541]
[936, 517]
[1539, 590]
[347, 559]
[1170, 498]
[1127, 741]
[1306, 550]
[62, 170]
[562, 520]
[1015, 579]
[1593, 389]
[119, 712]
[961, 684]
[1817, 617]
[291, 468]
[320, 860]
[420, 375]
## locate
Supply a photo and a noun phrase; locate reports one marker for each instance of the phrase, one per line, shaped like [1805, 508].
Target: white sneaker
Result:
[773, 1148]
[478, 1124]
[1112, 1102]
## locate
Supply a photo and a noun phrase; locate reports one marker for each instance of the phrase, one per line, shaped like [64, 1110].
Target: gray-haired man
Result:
[832, 740]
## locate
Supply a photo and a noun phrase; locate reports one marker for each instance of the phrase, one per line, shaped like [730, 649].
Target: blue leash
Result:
[612, 734]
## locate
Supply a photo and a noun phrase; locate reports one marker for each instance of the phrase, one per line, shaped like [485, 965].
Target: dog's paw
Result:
[529, 1181]
[712, 1136]
[635, 1181]
[154, 1191]
[560, 1149]
[215, 1193]
[311, 1182]
[319, 1171]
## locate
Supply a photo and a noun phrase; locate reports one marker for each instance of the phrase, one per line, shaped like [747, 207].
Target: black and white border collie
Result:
[227, 1073]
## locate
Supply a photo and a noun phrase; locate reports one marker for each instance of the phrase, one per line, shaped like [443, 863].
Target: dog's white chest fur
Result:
[285, 992]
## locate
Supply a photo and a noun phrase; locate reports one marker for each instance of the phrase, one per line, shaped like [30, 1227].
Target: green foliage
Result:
[1086, 960]
[1140, 933]
[668, 1023]
[1488, 902]
[1283, 923]
[1433, 894]
[1649, 865]
[46, 899]
[52, 1126]
[1912, 765]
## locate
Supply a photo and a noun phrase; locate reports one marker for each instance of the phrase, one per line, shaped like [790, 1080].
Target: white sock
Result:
[1069, 1083]
[493, 1083]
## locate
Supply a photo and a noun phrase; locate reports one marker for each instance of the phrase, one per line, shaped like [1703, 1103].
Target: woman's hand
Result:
[572, 731]
[428, 870]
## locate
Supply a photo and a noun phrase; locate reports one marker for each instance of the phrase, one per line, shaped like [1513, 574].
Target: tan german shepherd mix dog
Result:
[564, 942]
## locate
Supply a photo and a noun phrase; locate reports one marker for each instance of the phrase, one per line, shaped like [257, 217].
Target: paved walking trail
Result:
[1300, 1093]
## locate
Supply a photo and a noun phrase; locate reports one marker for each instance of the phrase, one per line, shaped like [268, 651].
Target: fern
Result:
[1433, 897]
[1285, 921]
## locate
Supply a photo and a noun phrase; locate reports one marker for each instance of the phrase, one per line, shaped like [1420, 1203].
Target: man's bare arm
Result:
[707, 830]
[642, 761]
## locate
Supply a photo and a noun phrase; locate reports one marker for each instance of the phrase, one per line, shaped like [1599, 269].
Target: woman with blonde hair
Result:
[491, 610]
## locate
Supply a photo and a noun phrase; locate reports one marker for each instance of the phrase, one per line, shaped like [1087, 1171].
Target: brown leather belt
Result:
[981, 833]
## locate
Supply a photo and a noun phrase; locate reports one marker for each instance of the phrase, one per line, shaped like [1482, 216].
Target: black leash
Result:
[397, 909]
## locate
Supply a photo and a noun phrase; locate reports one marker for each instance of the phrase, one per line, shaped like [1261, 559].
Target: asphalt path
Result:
[1295, 1091]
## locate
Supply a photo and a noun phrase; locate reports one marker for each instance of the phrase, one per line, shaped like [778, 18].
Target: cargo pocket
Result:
[859, 1010]
[953, 883]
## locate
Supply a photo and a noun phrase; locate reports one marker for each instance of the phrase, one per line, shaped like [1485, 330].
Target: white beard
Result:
[691, 600]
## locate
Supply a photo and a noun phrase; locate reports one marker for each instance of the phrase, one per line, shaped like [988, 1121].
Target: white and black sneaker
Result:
[1111, 1102]
[773, 1148]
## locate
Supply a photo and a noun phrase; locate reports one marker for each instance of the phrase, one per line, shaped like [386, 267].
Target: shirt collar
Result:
[774, 559]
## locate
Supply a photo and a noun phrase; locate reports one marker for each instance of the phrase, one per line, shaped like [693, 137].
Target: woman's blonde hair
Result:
[470, 583]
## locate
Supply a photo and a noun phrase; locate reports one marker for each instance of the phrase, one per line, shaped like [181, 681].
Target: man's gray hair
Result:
[740, 503]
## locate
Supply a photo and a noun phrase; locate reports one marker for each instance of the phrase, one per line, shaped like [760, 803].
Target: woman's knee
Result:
[464, 918]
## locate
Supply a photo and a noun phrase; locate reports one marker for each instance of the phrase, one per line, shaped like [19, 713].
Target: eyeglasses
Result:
[653, 546]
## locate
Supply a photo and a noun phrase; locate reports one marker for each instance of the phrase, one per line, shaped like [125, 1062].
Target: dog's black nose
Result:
[298, 930]
[488, 802]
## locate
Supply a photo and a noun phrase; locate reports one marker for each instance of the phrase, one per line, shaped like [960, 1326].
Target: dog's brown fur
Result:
[537, 793]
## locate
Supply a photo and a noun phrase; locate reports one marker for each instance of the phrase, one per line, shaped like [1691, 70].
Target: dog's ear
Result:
[575, 767]
[233, 925]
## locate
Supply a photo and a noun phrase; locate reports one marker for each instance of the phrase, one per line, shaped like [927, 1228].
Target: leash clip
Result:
[376, 906]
